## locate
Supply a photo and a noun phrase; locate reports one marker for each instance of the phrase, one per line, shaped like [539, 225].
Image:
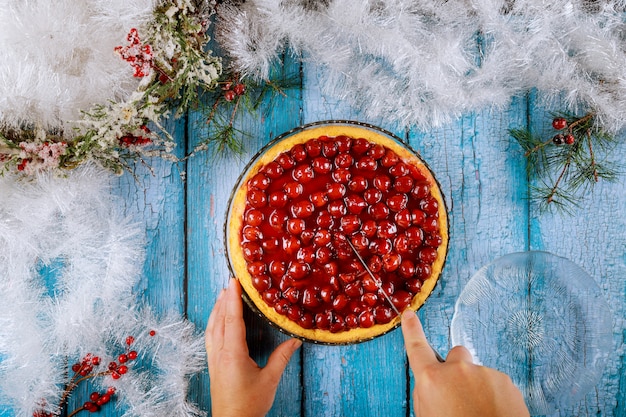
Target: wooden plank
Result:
[593, 237]
[209, 185]
[153, 194]
[484, 183]
[367, 379]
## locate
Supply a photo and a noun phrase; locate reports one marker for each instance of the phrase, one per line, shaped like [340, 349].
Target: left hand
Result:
[239, 387]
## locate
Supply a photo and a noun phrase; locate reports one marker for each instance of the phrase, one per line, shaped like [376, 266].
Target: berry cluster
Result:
[90, 366]
[97, 400]
[233, 90]
[136, 140]
[559, 123]
[35, 156]
[119, 368]
[137, 55]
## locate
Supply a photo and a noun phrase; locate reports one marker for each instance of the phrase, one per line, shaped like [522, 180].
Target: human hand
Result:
[456, 387]
[239, 387]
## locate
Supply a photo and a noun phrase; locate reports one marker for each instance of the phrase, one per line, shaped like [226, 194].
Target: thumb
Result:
[279, 359]
[418, 350]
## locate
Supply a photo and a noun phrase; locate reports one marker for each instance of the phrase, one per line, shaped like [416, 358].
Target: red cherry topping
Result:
[273, 170]
[301, 208]
[322, 165]
[313, 148]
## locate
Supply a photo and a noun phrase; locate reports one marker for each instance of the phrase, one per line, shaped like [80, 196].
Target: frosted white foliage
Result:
[426, 62]
[68, 264]
[57, 57]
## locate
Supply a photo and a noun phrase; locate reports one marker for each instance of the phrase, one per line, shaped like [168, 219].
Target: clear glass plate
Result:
[540, 319]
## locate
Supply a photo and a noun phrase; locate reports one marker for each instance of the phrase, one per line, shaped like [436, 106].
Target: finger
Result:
[418, 350]
[214, 335]
[279, 359]
[235, 328]
[459, 354]
[212, 317]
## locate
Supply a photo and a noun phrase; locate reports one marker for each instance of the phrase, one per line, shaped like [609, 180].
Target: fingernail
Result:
[408, 313]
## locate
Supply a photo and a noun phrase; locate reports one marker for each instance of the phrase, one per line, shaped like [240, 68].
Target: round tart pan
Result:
[234, 224]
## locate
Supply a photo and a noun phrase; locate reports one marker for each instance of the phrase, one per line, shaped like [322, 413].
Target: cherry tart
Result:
[297, 205]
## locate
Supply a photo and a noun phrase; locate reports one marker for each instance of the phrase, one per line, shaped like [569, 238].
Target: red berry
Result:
[132, 355]
[377, 151]
[391, 261]
[76, 367]
[319, 198]
[122, 358]
[229, 95]
[559, 123]
[329, 149]
[343, 160]
[378, 211]
[271, 296]
[427, 255]
[295, 226]
[259, 181]
[372, 196]
[390, 159]
[383, 314]
[257, 198]
[299, 153]
[293, 189]
[323, 320]
[303, 173]
[95, 361]
[382, 182]
[397, 202]
[285, 160]
[260, 282]
[350, 223]
[103, 399]
[337, 209]
[570, 139]
[302, 209]
[256, 268]
[313, 148]
[112, 366]
[358, 184]
[366, 319]
[94, 396]
[341, 176]
[251, 233]
[321, 165]
[122, 369]
[239, 89]
[115, 375]
[254, 217]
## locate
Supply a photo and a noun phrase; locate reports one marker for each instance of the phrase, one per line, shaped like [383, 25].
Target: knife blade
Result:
[379, 284]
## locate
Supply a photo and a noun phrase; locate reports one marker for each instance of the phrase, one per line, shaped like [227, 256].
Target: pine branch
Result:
[569, 163]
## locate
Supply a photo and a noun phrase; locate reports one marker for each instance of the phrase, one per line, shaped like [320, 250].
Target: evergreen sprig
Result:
[222, 133]
[569, 162]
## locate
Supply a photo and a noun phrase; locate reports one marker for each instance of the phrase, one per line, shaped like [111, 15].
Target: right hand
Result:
[456, 387]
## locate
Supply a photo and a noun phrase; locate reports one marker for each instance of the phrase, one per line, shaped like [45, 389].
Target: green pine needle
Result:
[565, 173]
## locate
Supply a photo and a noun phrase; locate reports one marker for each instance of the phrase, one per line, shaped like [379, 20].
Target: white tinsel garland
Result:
[428, 61]
[57, 57]
[68, 264]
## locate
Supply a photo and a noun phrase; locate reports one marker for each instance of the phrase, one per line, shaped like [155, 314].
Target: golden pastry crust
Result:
[235, 225]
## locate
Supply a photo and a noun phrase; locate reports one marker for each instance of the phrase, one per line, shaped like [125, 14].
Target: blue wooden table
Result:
[482, 173]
